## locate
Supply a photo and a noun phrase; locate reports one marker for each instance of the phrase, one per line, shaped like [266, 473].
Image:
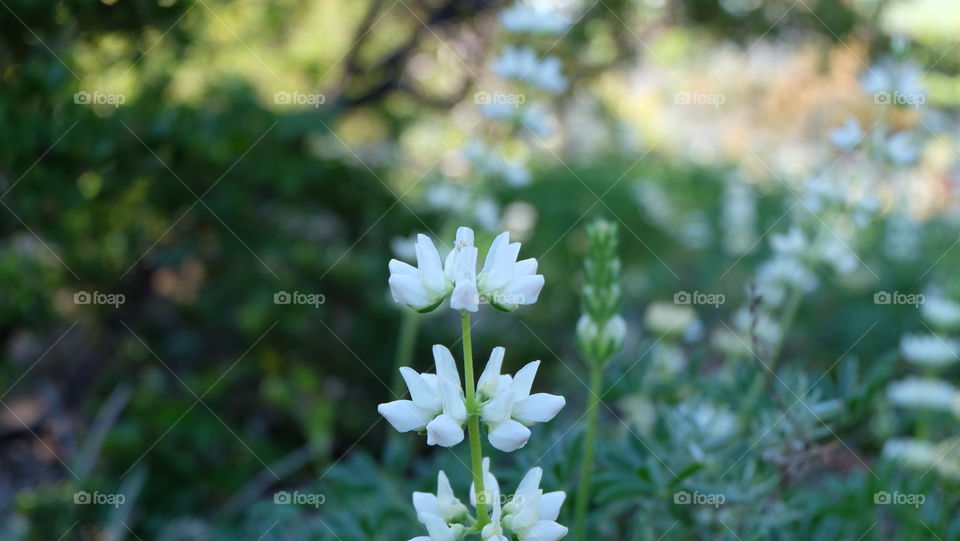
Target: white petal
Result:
[420, 391]
[410, 290]
[509, 436]
[491, 373]
[453, 401]
[464, 237]
[502, 240]
[446, 366]
[525, 267]
[550, 504]
[399, 267]
[450, 507]
[523, 380]
[465, 296]
[500, 274]
[428, 262]
[524, 290]
[530, 482]
[538, 408]
[438, 529]
[426, 505]
[545, 530]
[444, 431]
[404, 415]
[498, 409]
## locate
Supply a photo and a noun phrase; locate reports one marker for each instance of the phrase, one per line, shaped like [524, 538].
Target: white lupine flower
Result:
[664, 318]
[461, 270]
[923, 393]
[506, 406]
[538, 119]
[739, 218]
[436, 405]
[916, 453]
[792, 243]
[440, 513]
[521, 63]
[839, 255]
[423, 287]
[505, 282]
[781, 271]
[534, 19]
[531, 515]
[929, 350]
[848, 135]
[941, 312]
[902, 149]
[901, 78]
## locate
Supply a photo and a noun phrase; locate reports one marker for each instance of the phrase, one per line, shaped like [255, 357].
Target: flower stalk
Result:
[473, 422]
[600, 334]
[440, 404]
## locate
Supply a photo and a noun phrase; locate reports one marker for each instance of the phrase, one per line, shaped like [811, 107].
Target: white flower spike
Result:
[436, 402]
[506, 406]
[505, 282]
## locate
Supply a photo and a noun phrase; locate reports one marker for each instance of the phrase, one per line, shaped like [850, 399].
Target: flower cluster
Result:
[930, 395]
[441, 406]
[504, 282]
[504, 403]
[530, 514]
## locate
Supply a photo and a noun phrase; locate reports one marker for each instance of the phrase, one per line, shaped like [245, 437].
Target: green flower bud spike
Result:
[600, 335]
[601, 330]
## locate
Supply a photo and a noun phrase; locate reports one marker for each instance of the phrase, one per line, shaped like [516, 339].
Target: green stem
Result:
[762, 377]
[473, 423]
[398, 447]
[589, 444]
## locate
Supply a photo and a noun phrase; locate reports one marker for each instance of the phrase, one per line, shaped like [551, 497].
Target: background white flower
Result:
[928, 349]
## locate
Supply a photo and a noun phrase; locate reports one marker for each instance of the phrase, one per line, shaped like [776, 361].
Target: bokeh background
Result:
[170, 170]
